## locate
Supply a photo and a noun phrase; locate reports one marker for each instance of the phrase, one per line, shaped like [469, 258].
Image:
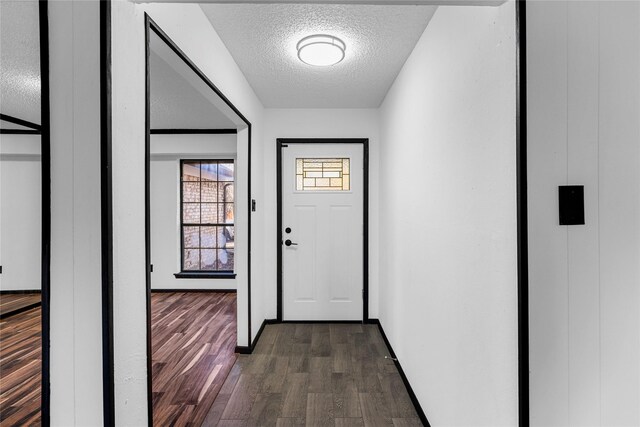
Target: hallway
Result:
[319, 212]
[315, 375]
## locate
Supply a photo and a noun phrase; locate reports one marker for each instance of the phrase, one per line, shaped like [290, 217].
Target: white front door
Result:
[322, 231]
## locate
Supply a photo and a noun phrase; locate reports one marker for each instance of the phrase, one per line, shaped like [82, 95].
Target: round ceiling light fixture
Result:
[321, 50]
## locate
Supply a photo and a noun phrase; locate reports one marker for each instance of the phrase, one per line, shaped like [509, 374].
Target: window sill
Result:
[204, 275]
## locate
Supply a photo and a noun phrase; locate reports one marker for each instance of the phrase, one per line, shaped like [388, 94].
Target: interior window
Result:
[207, 215]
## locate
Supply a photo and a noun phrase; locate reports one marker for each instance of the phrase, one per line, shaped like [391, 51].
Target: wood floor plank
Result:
[407, 422]
[273, 381]
[320, 370]
[339, 333]
[320, 342]
[319, 327]
[265, 410]
[374, 410]
[220, 403]
[299, 358]
[185, 414]
[346, 403]
[320, 410]
[365, 367]
[396, 396]
[295, 400]
[302, 334]
[233, 423]
[349, 422]
[341, 358]
[284, 339]
[265, 344]
[291, 422]
[17, 303]
[259, 363]
[243, 396]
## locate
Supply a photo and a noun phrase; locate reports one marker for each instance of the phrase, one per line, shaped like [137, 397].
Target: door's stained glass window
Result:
[322, 174]
[207, 198]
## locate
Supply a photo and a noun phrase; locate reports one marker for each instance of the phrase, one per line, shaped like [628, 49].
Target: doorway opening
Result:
[25, 213]
[198, 234]
[324, 184]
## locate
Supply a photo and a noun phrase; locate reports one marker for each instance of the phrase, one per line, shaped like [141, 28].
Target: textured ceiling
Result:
[20, 60]
[262, 39]
[179, 98]
[176, 104]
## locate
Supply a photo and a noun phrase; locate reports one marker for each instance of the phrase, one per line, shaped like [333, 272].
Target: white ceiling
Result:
[262, 39]
[19, 61]
[176, 104]
[179, 98]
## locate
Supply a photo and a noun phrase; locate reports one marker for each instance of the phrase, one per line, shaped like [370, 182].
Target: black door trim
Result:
[522, 219]
[19, 132]
[284, 142]
[106, 220]
[150, 25]
[45, 144]
[193, 131]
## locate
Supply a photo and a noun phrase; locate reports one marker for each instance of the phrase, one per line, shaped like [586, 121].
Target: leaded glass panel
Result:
[322, 174]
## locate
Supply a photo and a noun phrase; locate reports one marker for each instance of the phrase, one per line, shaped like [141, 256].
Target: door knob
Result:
[289, 243]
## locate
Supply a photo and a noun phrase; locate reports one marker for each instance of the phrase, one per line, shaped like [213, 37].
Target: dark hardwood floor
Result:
[299, 374]
[20, 369]
[16, 303]
[193, 336]
[193, 343]
[314, 375]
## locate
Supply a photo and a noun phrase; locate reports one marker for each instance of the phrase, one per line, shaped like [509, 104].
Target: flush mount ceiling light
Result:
[321, 50]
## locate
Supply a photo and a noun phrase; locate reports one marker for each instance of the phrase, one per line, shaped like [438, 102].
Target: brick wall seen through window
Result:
[207, 215]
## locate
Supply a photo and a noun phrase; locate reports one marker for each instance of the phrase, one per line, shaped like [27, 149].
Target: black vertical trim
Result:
[365, 234]
[150, 25]
[45, 142]
[108, 394]
[279, 145]
[248, 231]
[522, 227]
[147, 210]
[284, 142]
[182, 212]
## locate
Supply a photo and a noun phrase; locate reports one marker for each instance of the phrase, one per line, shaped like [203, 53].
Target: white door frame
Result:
[284, 142]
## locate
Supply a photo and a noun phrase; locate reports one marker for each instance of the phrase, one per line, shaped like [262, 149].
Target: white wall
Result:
[318, 123]
[76, 303]
[584, 129]
[166, 152]
[448, 218]
[20, 212]
[190, 29]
